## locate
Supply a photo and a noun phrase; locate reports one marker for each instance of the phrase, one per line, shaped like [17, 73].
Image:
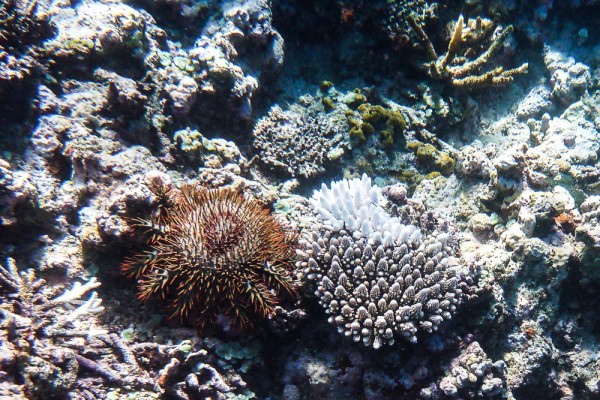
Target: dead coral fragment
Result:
[461, 65]
[213, 251]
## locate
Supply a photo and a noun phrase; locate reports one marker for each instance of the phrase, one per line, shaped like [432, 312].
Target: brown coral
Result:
[213, 251]
[469, 50]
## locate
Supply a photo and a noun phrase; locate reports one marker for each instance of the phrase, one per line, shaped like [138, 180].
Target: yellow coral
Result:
[464, 71]
[389, 122]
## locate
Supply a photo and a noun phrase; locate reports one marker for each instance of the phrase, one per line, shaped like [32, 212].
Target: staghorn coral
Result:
[25, 288]
[46, 342]
[212, 252]
[377, 277]
[466, 55]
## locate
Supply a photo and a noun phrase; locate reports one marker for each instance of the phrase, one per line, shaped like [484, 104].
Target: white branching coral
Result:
[46, 343]
[26, 287]
[358, 206]
[77, 291]
[376, 277]
[71, 298]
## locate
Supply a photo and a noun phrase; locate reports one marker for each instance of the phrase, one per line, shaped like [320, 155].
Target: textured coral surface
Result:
[375, 276]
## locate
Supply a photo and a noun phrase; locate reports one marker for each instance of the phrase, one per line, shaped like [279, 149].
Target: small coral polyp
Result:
[211, 252]
[376, 277]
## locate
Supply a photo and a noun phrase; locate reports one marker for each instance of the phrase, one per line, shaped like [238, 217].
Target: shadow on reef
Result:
[326, 40]
[579, 295]
[17, 116]
[169, 16]
[22, 32]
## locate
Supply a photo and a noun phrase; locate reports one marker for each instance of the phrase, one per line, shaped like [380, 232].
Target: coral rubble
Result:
[43, 339]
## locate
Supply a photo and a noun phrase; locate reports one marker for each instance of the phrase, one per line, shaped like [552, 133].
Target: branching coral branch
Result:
[98, 368]
[76, 291]
[125, 351]
[461, 65]
[42, 333]
[91, 306]
[9, 276]
[24, 288]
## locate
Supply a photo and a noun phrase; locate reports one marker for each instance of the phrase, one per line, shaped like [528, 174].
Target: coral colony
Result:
[376, 277]
[461, 71]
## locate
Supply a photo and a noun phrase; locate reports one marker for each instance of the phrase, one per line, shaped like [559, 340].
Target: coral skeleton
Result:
[376, 277]
[25, 285]
[461, 65]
